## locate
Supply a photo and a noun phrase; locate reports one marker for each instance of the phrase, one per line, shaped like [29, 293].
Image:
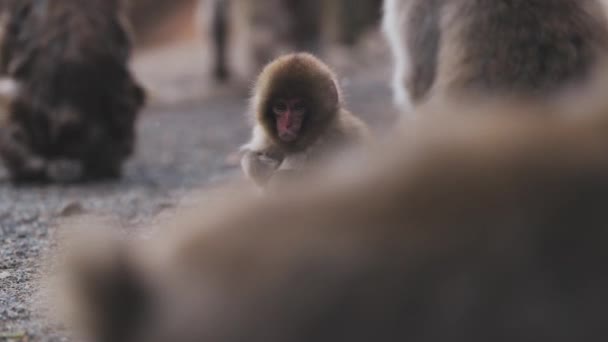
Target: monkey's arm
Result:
[260, 158]
[259, 166]
[18, 157]
[25, 165]
[20, 161]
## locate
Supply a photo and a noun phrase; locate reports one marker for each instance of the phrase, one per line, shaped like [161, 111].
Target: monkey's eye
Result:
[280, 107]
[299, 107]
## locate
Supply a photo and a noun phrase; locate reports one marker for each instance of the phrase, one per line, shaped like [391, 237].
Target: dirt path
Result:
[184, 139]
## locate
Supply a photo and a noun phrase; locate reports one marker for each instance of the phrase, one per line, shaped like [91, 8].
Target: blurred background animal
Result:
[73, 101]
[247, 34]
[531, 48]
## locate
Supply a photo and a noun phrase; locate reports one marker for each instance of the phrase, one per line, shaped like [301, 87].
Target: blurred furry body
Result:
[492, 47]
[73, 104]
[476, 228]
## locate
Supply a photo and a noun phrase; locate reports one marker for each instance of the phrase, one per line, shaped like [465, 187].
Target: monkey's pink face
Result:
[289, 115]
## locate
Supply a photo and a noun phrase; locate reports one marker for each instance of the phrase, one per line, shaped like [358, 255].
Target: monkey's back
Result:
[346, 134]
[518, 47]
[493, 231]
[77, 98]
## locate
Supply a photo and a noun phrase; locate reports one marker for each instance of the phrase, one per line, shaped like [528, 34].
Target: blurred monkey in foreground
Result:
[245, 35]
[299, 119]
[494, 47]
[70, 101]
[492, 229]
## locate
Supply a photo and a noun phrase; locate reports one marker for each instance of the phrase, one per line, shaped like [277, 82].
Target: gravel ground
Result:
[183, 146]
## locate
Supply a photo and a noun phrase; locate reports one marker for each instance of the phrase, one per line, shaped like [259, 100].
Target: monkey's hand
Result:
[259, 166]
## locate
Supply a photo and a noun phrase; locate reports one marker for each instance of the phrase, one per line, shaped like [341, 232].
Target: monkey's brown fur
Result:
[493, 229]
[328, 128]
[73, 115]
[493, 47]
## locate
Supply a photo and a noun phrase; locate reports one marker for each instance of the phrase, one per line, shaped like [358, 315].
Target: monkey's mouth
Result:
[288, 137]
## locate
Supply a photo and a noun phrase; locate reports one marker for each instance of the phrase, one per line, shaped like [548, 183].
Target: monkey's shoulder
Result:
[349, 129]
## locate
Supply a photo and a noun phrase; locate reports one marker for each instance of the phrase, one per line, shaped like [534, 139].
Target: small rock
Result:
[72, 209]
[163, 206]
[4, 275]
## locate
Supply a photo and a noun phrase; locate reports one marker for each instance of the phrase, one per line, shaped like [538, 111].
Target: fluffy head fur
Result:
[304, 76]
